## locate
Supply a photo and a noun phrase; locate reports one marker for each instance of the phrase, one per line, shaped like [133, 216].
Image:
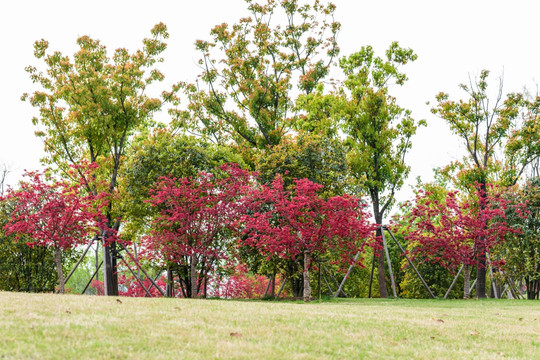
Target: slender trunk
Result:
[170, 283]
[481, 277]
[466, 281]
[379, 253]
[307, 287]
[383, 291]
[273, 287]
[60, 271]
[481, 251]
[108, 287]
[193, 276]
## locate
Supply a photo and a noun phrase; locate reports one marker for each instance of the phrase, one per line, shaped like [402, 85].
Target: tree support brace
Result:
[410, 262]
[79, 261]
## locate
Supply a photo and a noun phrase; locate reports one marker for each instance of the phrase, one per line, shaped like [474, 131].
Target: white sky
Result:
[452, 39]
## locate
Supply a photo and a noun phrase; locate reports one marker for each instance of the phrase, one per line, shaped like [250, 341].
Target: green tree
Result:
[378, 131]
[91, 106]
[306, 156]
[484, 125]
[522, 251]
[252, 70]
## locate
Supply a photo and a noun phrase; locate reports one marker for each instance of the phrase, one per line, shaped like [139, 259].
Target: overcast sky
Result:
[453, 39]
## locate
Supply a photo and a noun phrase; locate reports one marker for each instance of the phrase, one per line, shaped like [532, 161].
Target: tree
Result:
[23, 268]
[252, 69]
[378, 131]
[288, 224]
[483, 126]
[160, 154]
[52, 214]
[522, 250]
[194, 215]
[451, 232]
[89, 109]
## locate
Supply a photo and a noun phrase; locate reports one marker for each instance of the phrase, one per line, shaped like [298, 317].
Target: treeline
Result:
[311, 155]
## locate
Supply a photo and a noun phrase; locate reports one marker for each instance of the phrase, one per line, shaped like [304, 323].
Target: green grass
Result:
[78, 327]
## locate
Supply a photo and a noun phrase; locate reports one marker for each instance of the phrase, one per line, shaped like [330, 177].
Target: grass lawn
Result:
[50, 326]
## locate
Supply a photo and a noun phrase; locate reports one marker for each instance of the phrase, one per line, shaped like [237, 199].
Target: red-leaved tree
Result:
[452, 233]
[288, 224]
[194, 217]
[53, 213]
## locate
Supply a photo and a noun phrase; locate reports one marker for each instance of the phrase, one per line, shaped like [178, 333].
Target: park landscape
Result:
[260, 219]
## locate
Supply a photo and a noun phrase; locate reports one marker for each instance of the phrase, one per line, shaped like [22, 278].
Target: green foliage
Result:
[378, 131]
[522, 251]
[23, 268]
[91, 106]
[253, 68]
[307, 156]
[484, 125]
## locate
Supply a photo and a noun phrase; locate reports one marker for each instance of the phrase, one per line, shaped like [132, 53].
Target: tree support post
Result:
[143, 271]
[389, 263]
[410, 262]
[493, 285]
[347, 274]
[281, 287]
[80, 259]
[328, 286]
[453, 282]
[335, 283]
[136, 277]
[371, 276]
[94, 275]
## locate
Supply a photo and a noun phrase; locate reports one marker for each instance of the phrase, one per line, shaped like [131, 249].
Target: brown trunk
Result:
[481, 257]
[307, 287]
[60, 271]
[380, 267]
[273, 286]
[193, 276]
[481, 277]
[466, 281]
[170, 283]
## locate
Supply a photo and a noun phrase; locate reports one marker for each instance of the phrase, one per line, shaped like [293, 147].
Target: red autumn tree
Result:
[53, 213]
[452, 232]
[194, 215]
[288, 224]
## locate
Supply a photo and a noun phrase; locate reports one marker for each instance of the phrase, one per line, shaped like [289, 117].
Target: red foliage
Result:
[242, 285]
[130, 287]
[192, 213]
[52, 213]
[452, 233]
[134, 289]
[285, 223]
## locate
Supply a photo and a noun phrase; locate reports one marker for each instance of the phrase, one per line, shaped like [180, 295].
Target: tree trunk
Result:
[273, 287]
[170, 283]
[193, 276]
[481, 276]
[383, 291]
[466, 281]
[59, 270]
[307, 287]
[481, 251]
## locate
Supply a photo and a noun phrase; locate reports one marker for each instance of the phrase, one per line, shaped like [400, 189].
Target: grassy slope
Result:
[70, 326]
